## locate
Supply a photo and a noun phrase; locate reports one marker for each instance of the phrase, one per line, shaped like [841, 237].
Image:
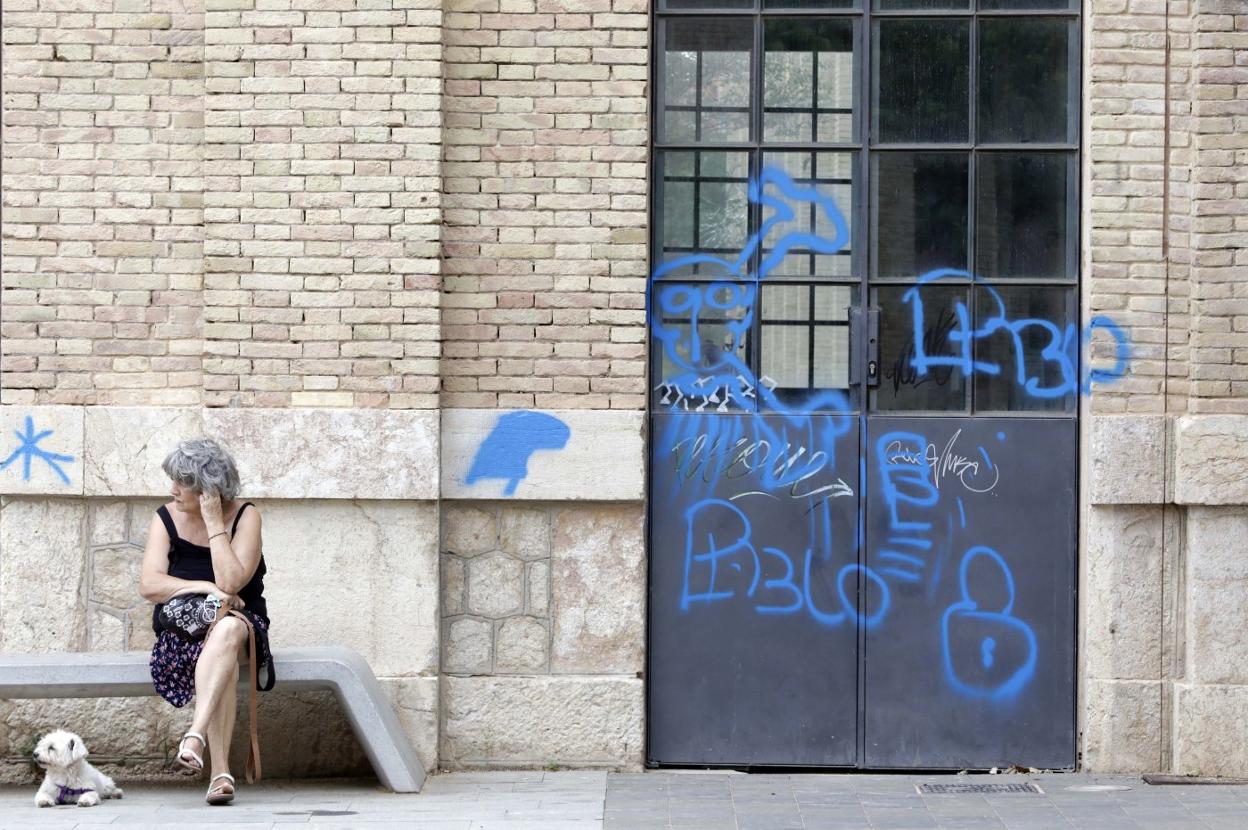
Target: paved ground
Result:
[649, 801]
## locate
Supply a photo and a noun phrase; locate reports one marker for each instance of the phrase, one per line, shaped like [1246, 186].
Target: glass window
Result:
[706, 80]
[1036, 363]
[1024, 216]
[702, 333]
[804, 339]
[907, 381]
[703, 208]
[919, 5]
[1027, 5]
[920, 203]
[831, 175]
[808, 80]
[921, 68]
[1025, 90]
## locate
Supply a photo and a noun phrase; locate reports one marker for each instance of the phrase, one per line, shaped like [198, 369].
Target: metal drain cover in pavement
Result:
[977, 789]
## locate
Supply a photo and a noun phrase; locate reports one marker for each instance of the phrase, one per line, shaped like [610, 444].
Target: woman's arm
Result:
[155, 583]
[234, 561]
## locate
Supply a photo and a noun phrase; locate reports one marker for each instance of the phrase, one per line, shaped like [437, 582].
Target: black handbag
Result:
[189, 616]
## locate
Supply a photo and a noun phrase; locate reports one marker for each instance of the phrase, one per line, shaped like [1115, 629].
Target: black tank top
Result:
[194, 562]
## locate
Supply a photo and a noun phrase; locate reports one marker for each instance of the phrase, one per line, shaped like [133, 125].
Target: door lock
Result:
[873, 370]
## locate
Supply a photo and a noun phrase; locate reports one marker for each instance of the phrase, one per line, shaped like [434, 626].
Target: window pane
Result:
[1026, 91]
[921, 70]
[808, 80]
[831, 175]
[920, 212]
[1022, 215]
[906, 383]
[700, 5]
[810, 4]
[906, 5]
[706, 80]
[701, 333]
[704, 209]
[1029, 326]
[804, 340]
[1060, 5]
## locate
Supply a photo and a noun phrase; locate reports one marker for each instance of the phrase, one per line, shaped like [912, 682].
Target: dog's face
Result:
[59, 749]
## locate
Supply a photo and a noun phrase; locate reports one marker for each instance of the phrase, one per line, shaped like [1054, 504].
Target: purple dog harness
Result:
[69, 795]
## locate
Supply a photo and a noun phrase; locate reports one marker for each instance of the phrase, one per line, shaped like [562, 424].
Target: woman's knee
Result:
[228, 633]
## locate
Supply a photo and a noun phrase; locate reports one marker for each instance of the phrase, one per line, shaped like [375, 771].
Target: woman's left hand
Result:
[210, 510]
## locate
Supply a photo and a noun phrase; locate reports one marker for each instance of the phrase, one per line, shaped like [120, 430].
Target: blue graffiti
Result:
[1060, 350]
[703, 330]
[28, 449]
[505, 452]
[985, 627]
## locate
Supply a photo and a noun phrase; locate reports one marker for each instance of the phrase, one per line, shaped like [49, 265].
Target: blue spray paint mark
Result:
[506, 450]
[1006, 645]
[28, 449]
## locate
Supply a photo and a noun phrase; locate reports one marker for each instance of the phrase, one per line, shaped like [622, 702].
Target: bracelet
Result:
[215, 535]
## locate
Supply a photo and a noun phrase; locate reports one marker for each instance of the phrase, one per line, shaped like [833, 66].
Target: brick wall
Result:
[322, 215]
[103, 111]
[545, 203]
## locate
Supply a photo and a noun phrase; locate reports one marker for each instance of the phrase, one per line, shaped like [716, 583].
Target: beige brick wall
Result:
[322, 208]
[103, 234]
[545, 203]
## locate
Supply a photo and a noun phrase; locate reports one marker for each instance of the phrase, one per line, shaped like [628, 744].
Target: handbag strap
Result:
[253, 723]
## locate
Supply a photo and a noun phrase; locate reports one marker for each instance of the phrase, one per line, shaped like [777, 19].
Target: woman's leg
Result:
[216, 684]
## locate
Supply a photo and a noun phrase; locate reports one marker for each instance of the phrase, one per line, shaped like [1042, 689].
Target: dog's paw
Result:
[117, 792]
[42, 800]
[89, 799]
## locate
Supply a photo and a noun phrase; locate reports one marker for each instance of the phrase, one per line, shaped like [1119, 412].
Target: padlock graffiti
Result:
[987, 652]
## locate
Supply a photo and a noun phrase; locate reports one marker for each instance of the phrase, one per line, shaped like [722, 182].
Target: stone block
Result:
[125, 447]
[106, 631]
[139, 633]
[140, 515]
[1211, 459]
[521, 646]
[1211, 730]
[331, 453]
[495, 585]
[525, 532]
[43, 574]
[467, 645]
[487, 452]
[108, 522]
[41, 464]
[453, 580]
[415, 702]
[1122, 726]
[363, 575]
[598, 587]
[115, 575]
[1127, 459]
[468, 530]
[1122, 601]
[533, 721]
[302, 734]
[537, 583]
[1217, 594]
[109, 726]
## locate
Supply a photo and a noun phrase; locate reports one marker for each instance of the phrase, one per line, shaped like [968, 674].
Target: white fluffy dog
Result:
[70, 779]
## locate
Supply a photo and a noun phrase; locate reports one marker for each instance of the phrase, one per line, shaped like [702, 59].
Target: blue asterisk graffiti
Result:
[29, 449]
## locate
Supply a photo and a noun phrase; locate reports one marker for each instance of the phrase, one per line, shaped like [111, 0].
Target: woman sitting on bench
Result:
[205, 542]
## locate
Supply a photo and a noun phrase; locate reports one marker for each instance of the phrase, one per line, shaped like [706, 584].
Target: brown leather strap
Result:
[253, 722]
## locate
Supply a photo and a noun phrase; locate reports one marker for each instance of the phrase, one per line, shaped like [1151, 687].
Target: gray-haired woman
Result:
[205, 541]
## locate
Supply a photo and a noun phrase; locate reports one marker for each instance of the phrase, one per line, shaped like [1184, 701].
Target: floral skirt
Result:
[173, 663]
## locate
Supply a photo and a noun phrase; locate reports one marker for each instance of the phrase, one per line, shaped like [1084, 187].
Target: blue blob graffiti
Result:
[28, 449]
[1005, 645]
[505, 452]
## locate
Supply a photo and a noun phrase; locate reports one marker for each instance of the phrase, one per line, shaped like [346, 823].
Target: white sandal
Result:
[187, 758]
[217, 796]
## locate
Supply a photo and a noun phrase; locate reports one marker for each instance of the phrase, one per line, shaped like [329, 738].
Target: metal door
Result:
[863, 473]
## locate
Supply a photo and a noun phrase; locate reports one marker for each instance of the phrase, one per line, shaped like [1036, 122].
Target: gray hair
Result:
[203, 465]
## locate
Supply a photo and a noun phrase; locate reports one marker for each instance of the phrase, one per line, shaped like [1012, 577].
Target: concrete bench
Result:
[336, 669]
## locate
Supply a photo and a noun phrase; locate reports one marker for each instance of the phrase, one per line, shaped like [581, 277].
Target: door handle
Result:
[873, 347]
